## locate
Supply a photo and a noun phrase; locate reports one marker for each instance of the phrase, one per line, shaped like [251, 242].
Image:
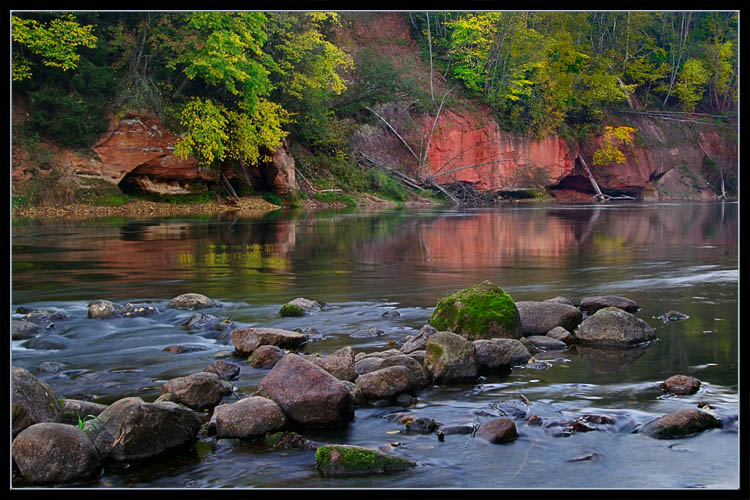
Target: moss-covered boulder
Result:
[347, 460]
[483, 311]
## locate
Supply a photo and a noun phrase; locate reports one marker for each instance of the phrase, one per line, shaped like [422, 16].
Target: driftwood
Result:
[599, 196]
[228, 187]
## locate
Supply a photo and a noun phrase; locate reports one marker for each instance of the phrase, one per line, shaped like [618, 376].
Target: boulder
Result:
[546, 343]
[681, 384]
[22, 329]
[367, 365]
[248, 417]
[561, 300]
[198, 391]
[561, 334]
[419, 341]
[513, 351]
[308, 395]
[340, 364]
[537, 318]
[377, 354]
[613, 326]
[418, 356]
[500, 430]
[491, 357]
[55, 453]
[226, 370]
[385, 383]
[130, 429]
[483, 311]
[265, 356]
[590, 305]
[192, 301]
[246, 340]
[34, 401]
[450, 358]
[680, 424]
[348, 460]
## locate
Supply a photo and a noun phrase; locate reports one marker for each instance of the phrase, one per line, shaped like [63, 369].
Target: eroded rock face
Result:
[483, 311]
[34, 401]
[307, 393]
[612, 327]
[130, 429]
[55, 453]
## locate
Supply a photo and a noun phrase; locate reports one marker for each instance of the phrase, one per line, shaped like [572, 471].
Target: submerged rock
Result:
[681, 384]
[33, 402]
[192, 301]
[590, 305]
[248, 417]
[673, 316]
[483, 311]
[546, 343]
[308, 394]
[22, 329]
[44, 317]
[185, 348]
[201, 322]
[55, 453]
[680, 424]
[608, 359]
[366, 332]
[537, 318]
[300, 306]
[614, 327]
[347, 460]
[130, 429]
[450, 358]
[47, 343]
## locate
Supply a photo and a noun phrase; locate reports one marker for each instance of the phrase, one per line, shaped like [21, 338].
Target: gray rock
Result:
[49, 367]
[367, 332]
[306, 305]
[367, 365]
[514, 351]
[45, 317]
[391, 314]
[192, 301]
[378, 354]
[500, 430]
[104, 309]
[537, 318]
[418, 356]
[385, 383]
[246, 340]
[340, 364]
[680, 424]
[561, 300]
[34, 401]
[202, 322]
[613, 326]
[308, 395]
[130, 429]
[419, 341]
[417, 374]
[74, 409]
[55, 453]
[561, 334]
[198, 391]
[547, 343]
[224, 369]
[590, 305]
[248, 417]
[450, 358]
[21, 329]
[347, 460]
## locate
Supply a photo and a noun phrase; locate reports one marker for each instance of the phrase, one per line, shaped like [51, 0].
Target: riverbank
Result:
[247, 205]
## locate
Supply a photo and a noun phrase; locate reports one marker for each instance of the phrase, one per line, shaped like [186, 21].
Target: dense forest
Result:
[234, 85]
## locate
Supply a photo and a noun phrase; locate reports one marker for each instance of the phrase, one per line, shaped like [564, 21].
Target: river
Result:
[665, 256]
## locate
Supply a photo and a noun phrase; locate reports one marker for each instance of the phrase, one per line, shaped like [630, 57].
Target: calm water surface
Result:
[665, 256]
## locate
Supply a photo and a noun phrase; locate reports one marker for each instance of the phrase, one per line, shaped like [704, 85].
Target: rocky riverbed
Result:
[472, 333]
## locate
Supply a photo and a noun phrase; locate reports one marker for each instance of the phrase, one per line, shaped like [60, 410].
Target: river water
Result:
[665, 256]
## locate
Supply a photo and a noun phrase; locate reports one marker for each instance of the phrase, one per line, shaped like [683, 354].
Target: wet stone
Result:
[192, 301]
[547, 343]
[680, 424]
[224, 369]
[681, 384]
[367, 332]
[391, 314]
[265, 356]
[22, 330]
[49, 367]
[673, 316]
[47, 343]
[185, 348]
[501, 430]
[421, 425]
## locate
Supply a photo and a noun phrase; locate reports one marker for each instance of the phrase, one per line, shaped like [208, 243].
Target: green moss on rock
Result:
[291, 310]
[483, 311]
[345, 460]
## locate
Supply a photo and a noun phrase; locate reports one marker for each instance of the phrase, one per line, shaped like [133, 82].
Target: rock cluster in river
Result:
[53, 444]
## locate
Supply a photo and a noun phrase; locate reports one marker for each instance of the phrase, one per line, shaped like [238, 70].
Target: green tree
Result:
[691, 83]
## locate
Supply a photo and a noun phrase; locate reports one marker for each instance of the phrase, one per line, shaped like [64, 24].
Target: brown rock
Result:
[246, 340]
[500, 430]
[340, 364]
[199, 391]
[385, 382]
[265, 356]
[681, 384]
[34, 401]
[680, 424]
[248, 417]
